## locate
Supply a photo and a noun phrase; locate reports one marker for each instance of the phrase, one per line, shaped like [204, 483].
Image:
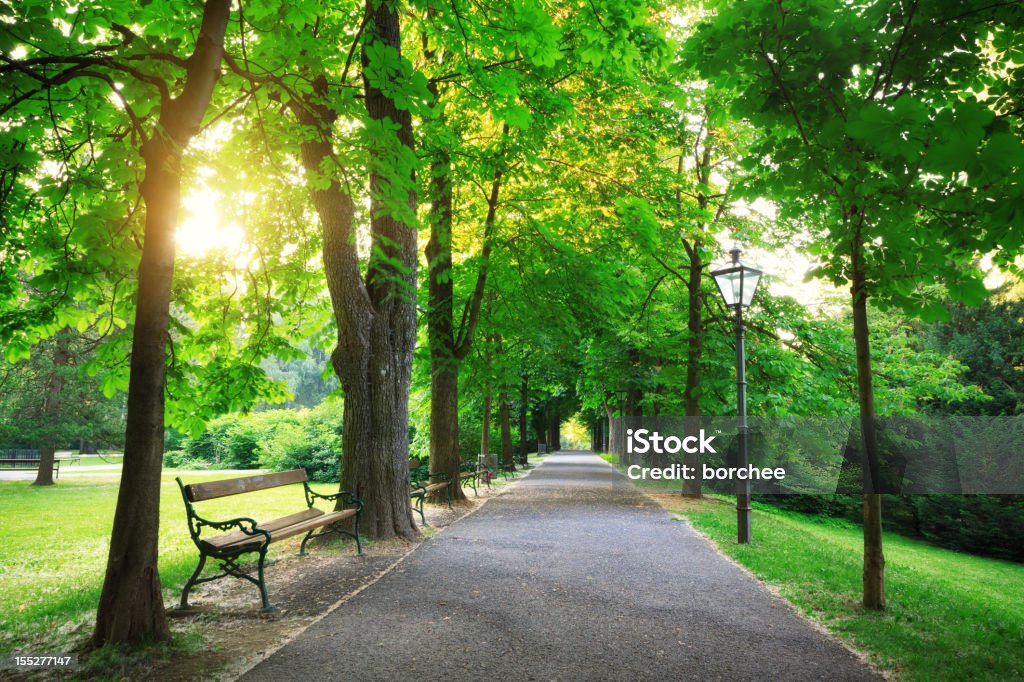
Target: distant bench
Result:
[255, 536]
[423, 483]
[20, 460]
[20, 464]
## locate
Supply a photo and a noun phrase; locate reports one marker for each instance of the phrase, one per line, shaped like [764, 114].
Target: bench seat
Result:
[279, 529]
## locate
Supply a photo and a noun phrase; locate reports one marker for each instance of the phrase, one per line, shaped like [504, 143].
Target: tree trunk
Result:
[485, 432]
[633, 409]
[51, 409]
[44, 474]
[444, 362]
[376, 319]
[874, 558]
[613, 431]
[131, 606]
[505, 419]
[554, 429]
[448, 345]
[524, 395]
[694, 349]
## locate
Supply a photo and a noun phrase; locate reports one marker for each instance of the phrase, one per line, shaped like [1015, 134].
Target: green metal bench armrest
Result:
[346, 496]
[242, 523]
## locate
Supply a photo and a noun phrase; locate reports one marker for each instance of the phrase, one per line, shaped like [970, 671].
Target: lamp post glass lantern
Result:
[737, 282]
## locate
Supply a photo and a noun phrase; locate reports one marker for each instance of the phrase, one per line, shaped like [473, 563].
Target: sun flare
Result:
[203, 230]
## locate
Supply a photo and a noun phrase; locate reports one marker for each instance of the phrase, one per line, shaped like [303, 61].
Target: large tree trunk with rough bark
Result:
[131, 608]
[377, 318]
[874, 558]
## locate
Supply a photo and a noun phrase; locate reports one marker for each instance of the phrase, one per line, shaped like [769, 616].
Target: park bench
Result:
[473, 473]
[20, 460]
[245, 535]
[508, 470]
[421, 485]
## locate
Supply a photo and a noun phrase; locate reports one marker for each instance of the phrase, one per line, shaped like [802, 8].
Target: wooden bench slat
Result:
[283, 528]
[237, 537]
[324, 520]
[197, 492]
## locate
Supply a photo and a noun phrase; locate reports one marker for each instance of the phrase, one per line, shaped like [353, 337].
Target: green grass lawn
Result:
[950, 616]
[55, 541]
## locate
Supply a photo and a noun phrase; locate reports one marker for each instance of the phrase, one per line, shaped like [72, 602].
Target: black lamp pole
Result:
[737, 281]
[742, 485]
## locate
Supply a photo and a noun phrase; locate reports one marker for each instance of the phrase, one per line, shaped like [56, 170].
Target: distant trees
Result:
[48, 401]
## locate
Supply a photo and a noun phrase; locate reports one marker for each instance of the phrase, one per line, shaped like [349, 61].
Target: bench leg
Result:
[313, 534]
[359, 543]
[419, 508]
[192, 582]
[302, 547]
[267, 608]
[448, 489]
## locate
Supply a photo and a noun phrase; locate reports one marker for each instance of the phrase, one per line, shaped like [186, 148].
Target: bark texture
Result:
[131, 608]
[377, 324]
[444, 360]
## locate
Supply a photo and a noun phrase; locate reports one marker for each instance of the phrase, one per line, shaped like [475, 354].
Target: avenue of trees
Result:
[485, 218]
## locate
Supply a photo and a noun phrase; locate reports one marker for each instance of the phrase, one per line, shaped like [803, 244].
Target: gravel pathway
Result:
[573, 575]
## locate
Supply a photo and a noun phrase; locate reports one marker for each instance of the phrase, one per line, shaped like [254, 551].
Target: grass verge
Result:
[950, 616]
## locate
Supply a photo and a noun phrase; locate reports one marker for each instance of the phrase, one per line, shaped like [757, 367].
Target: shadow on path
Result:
[574, 575]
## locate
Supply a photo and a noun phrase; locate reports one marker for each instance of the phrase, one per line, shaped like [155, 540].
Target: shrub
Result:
[273, 439]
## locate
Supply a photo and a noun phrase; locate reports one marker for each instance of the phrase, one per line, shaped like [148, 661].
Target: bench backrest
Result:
[19, 454]
[197, 492]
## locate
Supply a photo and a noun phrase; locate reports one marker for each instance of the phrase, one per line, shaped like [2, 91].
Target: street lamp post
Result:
[737, 281]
